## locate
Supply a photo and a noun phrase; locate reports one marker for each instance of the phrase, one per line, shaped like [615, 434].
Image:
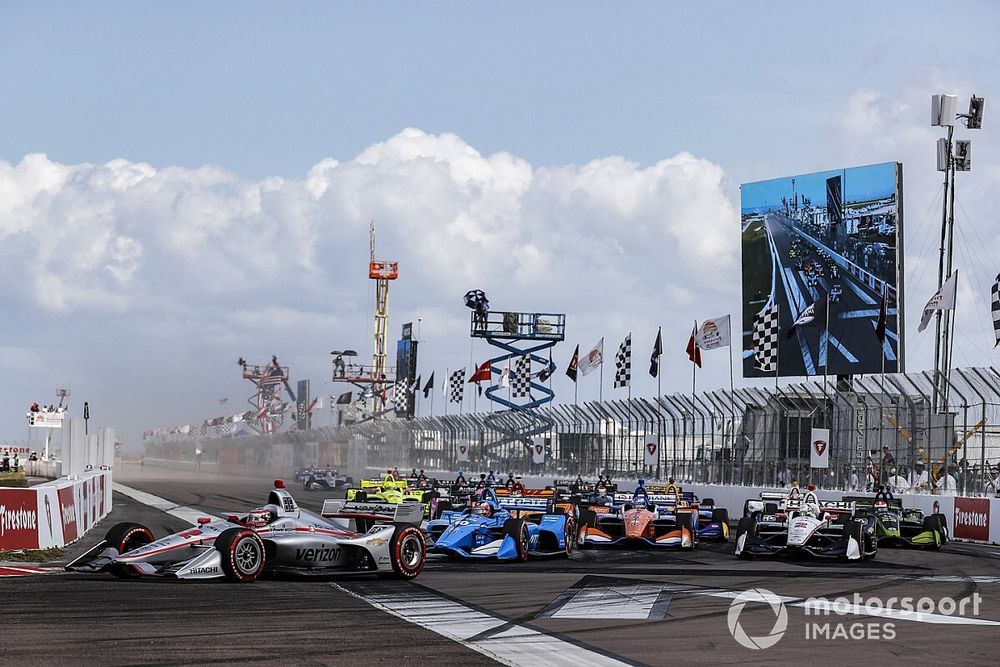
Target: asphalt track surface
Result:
[597, 607]
[853, 346]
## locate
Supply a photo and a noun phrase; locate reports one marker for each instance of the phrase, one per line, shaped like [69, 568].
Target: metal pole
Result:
[941, 267]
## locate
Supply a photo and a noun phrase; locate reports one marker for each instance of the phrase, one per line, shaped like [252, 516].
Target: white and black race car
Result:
[804, 525]
[280, 537]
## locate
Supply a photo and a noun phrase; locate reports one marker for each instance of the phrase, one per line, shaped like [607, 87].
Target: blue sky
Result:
[859, 183]
[185, 183]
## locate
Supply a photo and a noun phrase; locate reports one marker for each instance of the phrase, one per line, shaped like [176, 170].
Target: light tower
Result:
[952, 156]
[372, 380]
[381, 272]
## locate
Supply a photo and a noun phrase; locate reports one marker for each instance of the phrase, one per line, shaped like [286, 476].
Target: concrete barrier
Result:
[55, 513]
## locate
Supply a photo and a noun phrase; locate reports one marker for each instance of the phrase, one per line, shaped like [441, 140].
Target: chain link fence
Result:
[883, 430]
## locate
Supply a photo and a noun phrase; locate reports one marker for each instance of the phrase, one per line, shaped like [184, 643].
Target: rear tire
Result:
[518, 531]
[570, 534]
[944, 528]
[933, 524]
[442, 506]
[747, 526]
[407, 553]
[128, 536]
[721, 515]
[243, 556]
[689, 520]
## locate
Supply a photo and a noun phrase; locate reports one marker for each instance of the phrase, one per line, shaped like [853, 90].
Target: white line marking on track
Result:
[510, 644]
[188, 514]
[625, 601]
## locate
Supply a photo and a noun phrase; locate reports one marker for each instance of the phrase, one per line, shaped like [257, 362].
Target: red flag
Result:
[482, 373]
[694, 352]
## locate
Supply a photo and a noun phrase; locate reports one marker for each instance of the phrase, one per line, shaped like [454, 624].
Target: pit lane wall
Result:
[55, 513]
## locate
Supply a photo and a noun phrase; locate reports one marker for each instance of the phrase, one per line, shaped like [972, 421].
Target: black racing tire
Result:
[307, 484]
[856, 529]
[944, 528]
[407, 552]
[518, 530]
[933, 523]
[442, 506]
[708, 502]
[748, 526]
[570, 534]
[128, 536]
[429, 496]
[721, 515]
[746, 508]
[689, 520]
[360, 496]
[243, 554]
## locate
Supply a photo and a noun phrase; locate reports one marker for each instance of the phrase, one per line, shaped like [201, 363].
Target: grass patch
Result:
[13, 479]
[31, 555]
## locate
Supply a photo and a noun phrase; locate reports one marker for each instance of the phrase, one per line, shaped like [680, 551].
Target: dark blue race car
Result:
[506, 528]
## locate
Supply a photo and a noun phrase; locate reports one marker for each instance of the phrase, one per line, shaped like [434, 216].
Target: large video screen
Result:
[827, 240]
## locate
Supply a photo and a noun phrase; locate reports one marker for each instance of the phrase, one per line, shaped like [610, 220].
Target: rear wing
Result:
[869, 501]
[837, 505]
[528, 493]
[654, 498]
[409, 512]
[523, 503]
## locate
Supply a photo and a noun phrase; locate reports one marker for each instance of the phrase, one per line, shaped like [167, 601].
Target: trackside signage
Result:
[972, 519]
[18, 519]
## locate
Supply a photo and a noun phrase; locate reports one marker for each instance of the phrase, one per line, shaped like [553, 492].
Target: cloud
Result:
[141, 280]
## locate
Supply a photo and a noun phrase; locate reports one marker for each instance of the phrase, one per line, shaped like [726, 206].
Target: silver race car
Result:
[279, 537]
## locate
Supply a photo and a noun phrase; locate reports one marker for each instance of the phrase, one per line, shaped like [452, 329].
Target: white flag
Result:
[944, 299]
[651, 453]
[538, 450]
[505, 378]
[592, 359]
[713, 333]
[820, 454]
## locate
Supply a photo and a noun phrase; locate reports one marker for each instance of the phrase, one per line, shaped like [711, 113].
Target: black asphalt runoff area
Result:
[68, 618]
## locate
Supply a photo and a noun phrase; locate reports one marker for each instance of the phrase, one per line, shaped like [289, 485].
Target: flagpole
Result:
[694, 366]
[826, 346]
[600, 389]
[732, 383]
[447, 382]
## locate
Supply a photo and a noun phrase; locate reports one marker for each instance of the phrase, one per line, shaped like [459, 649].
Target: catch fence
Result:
[882, 430]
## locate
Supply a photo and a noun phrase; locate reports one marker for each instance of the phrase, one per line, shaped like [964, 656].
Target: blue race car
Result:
[507, 528]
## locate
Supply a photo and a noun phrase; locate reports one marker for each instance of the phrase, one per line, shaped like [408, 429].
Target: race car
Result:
[712, 523]
[640, 518]
[278, 537]
[507, 527]
[325, 479]
[897, 526]
[807, 526]
[586, 490]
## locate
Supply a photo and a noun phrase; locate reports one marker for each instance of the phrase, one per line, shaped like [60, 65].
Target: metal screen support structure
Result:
[519, 336]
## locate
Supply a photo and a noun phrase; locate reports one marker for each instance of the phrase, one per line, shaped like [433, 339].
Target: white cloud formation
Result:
[139, 281]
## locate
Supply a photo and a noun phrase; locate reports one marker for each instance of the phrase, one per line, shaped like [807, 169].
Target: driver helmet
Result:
[260, 517]
[484, 509]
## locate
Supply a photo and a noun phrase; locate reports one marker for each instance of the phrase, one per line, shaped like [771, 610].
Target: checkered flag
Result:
[623, 363]
[996, 310]
[765, 340]
[520, 381]
[401, 394]
[457, 384]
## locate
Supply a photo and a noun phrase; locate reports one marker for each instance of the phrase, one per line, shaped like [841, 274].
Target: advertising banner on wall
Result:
[651, 453]
[18, 519]
[819, 456]
[538, 450]
[829, 238]
[972, 519]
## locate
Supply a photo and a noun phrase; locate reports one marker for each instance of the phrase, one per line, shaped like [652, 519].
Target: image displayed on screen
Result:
[819, 257]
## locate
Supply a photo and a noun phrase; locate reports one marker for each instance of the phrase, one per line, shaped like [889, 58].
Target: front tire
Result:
[721, 515]
[407, 553]
[517, 529]
[243, 556]
[128, 536]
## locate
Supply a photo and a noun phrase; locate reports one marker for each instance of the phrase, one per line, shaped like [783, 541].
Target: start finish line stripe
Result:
[494, 637]
[188, 514]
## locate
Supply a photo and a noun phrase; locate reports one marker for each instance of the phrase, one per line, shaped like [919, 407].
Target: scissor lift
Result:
[520, 336]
